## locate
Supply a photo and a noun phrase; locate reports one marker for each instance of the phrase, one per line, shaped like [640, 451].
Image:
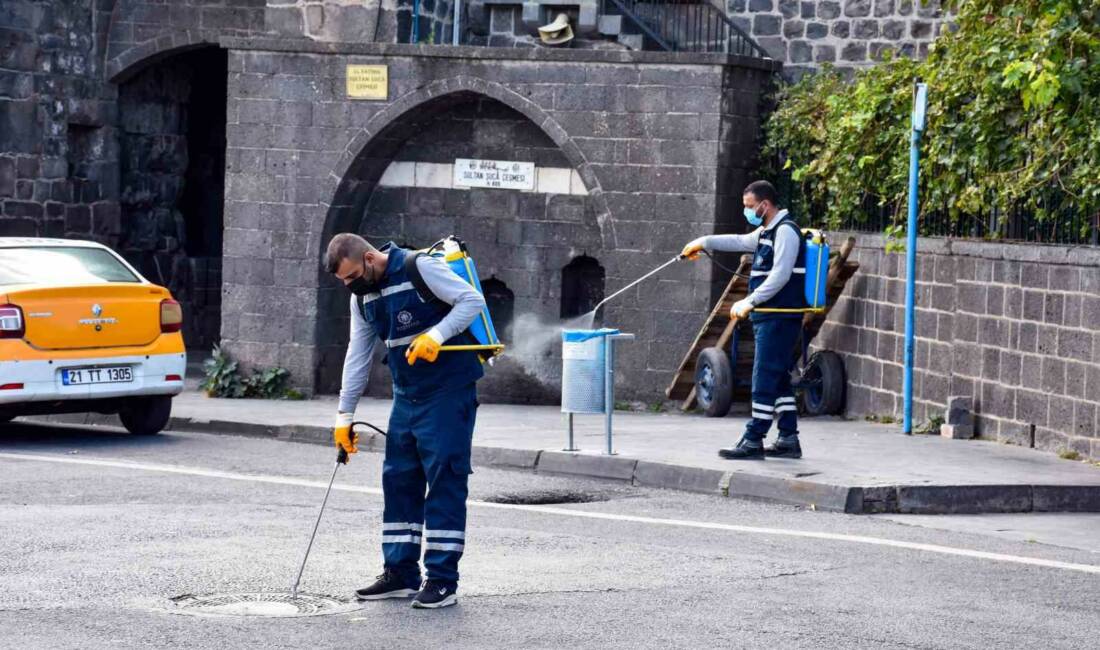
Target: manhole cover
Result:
[545, 497]
[269, 604]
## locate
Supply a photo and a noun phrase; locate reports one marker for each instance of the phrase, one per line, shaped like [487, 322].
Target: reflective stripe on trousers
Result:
[428, 450]
[772, 395]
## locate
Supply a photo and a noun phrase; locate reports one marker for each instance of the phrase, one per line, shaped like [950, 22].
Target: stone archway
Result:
[171, 137]
[354, 174]
[397, 187]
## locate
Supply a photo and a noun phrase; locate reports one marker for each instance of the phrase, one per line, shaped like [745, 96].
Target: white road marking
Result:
[566, 512]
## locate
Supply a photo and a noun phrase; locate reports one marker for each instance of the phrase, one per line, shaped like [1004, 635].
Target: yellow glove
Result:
[741, 309]
[342, 434]
[426, 347]
[693, 248]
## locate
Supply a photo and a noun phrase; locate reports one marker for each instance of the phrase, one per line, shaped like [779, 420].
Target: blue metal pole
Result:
[920, 100]
[414, 36]
[456, 34]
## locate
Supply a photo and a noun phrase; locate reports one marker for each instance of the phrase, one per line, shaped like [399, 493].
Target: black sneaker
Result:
[784, 449]
[390, 584]
[743, 451]
[434, 595]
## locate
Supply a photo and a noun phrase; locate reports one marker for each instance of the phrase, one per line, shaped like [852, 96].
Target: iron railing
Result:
[1063, 223]
[685, 26]
[1064, 219]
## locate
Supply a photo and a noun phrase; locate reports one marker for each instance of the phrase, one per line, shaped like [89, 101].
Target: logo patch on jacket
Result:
[404, 317]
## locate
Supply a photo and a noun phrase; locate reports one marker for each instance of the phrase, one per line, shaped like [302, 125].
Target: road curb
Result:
[887, 499]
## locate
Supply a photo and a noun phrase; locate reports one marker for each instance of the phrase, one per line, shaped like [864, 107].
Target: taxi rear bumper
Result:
[26, 386]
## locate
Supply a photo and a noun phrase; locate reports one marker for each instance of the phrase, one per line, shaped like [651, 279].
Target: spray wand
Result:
[634, 283]
[341, 459]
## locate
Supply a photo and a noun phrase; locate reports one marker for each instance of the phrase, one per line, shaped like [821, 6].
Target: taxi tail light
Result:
[11, 322]
[171, 316]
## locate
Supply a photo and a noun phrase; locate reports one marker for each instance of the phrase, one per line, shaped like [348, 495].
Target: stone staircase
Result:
[660, 25]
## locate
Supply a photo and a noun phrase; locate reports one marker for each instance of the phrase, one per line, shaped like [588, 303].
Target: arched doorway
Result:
[172, 140]
[402, 187]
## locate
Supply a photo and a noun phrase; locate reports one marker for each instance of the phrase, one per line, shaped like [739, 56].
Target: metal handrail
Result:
[687, 26]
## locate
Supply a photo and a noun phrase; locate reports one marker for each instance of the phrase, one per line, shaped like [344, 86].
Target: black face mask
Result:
[360, 286]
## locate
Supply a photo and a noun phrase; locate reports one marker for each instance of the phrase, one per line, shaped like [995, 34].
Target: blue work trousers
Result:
[772, 395]
[427, 451]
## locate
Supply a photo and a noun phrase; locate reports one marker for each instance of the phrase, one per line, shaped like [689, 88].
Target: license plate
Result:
[84, 376]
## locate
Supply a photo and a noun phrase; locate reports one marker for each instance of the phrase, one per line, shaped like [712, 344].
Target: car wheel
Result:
[823, 384]
[145, 416]
[714, 382]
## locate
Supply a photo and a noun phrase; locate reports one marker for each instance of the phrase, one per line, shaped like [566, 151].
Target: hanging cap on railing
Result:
[557, 32]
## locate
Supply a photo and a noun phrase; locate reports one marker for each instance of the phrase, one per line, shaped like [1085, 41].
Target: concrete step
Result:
[633, 41]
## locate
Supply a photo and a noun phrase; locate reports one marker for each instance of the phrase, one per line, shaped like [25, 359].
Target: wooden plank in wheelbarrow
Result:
[683, 383]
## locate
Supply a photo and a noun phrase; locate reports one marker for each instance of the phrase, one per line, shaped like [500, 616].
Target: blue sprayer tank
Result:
[817, 268]
[457, 257]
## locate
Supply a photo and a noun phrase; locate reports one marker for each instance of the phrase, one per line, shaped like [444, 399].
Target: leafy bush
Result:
[224, 379]
[1013, 119]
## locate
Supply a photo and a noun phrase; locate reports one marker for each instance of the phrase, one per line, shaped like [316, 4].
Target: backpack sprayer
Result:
[454, 252]
[817, 268]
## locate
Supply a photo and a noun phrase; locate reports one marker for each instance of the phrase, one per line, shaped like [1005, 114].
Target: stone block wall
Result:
[652, 136]
[348, 21]
[140, 28]
[360, 21]
[58, 146]
[1015, 327]
[850, 34]
[79, 161]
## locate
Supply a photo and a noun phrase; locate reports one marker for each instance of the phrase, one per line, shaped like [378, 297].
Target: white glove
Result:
[741, 309]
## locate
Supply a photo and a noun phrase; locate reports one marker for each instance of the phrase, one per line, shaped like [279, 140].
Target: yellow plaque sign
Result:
[368, 81]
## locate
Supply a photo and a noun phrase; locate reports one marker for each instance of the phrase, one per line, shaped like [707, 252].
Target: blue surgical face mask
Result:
[753, 218]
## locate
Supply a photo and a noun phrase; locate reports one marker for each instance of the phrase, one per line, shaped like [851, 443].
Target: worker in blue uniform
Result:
[775, 300]
[413, 304]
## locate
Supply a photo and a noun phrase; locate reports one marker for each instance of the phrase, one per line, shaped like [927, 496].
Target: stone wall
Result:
[1016, 327]
[73, 164]
[653, 137]
[359, 21]
[140, 29]
[58, 148]
[850, 34]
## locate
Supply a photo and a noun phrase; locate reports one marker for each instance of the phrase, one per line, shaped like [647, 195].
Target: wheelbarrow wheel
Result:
[823, 384]
[714, 382]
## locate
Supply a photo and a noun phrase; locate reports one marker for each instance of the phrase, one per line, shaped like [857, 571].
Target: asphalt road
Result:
[99, 529]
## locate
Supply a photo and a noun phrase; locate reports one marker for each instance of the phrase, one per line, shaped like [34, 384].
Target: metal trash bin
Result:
[588, 375]
[583, 372]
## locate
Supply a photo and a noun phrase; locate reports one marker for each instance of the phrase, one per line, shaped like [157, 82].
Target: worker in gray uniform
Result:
[414, 304]
[776, 301]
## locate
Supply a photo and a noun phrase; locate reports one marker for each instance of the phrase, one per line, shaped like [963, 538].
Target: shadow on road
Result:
[46, 435]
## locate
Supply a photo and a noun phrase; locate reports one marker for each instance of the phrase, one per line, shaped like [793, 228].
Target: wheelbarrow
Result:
[713, 378]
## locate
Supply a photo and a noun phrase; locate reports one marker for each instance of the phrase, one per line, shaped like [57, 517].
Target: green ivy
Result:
[1013, 119]
[224, 379]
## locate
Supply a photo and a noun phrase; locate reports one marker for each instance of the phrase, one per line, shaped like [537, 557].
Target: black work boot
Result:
[436, 594]
[744, 450]
[391, 584]
[785, 447]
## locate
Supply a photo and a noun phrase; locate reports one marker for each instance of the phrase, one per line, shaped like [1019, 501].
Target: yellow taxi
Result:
[82, 331]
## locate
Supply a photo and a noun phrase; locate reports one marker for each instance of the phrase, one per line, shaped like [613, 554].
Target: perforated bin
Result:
[584, 373]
